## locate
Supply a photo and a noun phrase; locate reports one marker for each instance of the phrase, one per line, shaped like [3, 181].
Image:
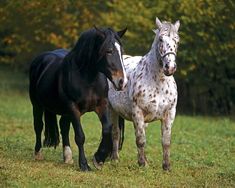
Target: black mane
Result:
[110, 34]
[90, 48]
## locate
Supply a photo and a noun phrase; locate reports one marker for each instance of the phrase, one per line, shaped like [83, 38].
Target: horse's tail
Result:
[51, 130]
[121, 123]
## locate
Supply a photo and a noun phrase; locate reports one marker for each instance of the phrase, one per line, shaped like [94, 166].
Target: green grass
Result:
[202, 150]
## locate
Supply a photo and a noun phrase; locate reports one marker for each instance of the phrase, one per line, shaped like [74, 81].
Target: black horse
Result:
[70, 83]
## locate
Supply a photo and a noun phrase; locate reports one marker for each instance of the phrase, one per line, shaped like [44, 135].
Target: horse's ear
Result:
[99, 32]
[158, 23]
[177, 25]
[122, 32]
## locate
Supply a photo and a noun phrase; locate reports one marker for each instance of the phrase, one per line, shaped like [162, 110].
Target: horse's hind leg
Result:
[51, 130]
[38, 126]
[64, 129]
[115, 136]
[121, 122]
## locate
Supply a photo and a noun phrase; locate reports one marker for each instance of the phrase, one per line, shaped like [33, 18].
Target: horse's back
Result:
[59, 52]
[130, 62]
[133, 59]
[39, 64]
[44, 74]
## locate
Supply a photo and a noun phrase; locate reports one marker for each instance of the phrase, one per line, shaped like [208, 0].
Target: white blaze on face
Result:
[118, 47]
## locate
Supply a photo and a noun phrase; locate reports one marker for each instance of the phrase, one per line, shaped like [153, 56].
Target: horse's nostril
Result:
[167, 66]
[121, 81]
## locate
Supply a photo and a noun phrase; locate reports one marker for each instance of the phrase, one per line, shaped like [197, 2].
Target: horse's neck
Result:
[71, 68]
[151, 63]
[74, 82]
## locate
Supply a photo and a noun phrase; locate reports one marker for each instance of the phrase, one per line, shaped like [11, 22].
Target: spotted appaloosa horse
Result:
[151, 92]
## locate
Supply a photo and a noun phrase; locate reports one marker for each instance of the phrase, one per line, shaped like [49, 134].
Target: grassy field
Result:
[202, 150]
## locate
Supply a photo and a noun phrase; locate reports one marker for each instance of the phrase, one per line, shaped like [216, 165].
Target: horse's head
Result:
[167, 43]
[110, 57]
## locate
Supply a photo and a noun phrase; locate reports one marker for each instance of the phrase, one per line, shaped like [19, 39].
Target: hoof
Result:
[85, 168]
[97, 165]
[68, 161]
[115, 160]
[143, 163]
[166, 167]
[67, 153]
[115, 157]
[38, 156]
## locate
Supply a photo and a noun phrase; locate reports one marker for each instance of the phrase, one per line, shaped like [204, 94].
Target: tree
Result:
[32, 27]
[206, 72]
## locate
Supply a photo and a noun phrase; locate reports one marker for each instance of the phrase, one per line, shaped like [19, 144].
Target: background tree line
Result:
[206, 55]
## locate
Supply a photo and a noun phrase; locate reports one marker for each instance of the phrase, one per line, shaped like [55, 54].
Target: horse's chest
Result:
[88, 96]
[89, 101]
[155, 101]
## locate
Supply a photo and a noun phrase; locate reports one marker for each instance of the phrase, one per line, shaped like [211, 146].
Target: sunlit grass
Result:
[202, 150]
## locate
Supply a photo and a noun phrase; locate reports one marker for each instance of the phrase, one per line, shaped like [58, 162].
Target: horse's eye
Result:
[160, 39]
[109, 51]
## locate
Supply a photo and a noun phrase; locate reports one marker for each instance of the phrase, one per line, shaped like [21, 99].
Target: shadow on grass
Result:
[20, 151]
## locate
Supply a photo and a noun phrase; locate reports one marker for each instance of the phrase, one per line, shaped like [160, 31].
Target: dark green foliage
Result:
[206, 68]
[206, 55]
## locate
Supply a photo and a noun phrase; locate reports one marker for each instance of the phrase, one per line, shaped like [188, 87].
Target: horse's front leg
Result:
[105, 147]
[115, 135]
[166, 124]
[64, 129]
[139, 124]
[79, 138]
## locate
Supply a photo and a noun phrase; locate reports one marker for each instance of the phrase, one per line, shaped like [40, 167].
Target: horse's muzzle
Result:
[119, 84]
[119, 80]
[169, 71]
